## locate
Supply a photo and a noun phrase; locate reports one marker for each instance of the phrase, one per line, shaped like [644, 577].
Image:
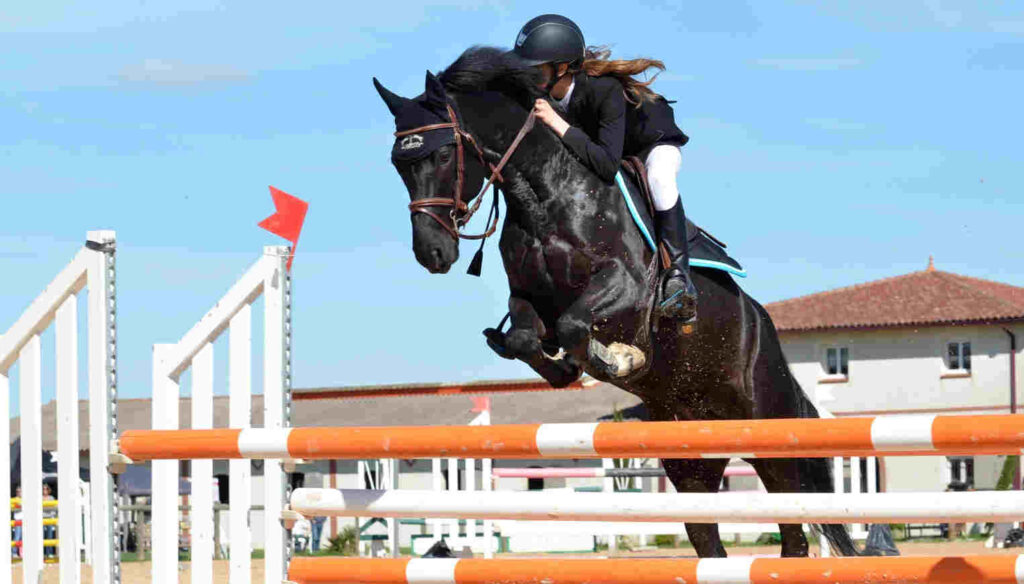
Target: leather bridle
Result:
[461, 212]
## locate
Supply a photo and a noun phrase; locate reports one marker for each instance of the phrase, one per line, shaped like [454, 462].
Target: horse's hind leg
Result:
[782, 475]
[777, 394]
[699, 476]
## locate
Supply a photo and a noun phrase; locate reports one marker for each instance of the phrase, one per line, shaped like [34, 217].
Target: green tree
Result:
[1005, 481]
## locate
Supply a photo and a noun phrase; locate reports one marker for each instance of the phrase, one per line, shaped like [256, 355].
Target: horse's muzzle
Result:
[436, 254]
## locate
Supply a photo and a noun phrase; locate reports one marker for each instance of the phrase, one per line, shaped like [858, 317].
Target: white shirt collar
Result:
[563, 104]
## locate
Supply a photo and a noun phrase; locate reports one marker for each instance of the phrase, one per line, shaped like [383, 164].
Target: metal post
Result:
[102, 340]
[393, 524]
[437, 482]
[453, 486]
[609, 487]
[276, 405]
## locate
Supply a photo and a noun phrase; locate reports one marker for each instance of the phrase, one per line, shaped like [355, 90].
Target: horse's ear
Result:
[435, 91]
[394, 102]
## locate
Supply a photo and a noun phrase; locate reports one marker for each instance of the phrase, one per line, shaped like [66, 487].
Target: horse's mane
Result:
[482, 68]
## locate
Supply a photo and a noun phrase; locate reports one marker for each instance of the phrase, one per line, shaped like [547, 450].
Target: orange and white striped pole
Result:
[990, 569]
[784, 438]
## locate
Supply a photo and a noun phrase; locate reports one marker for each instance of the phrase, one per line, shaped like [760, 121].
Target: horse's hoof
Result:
[496, 341]
[616, 360]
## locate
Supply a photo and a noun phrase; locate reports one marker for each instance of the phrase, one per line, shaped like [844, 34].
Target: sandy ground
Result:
[138, 572]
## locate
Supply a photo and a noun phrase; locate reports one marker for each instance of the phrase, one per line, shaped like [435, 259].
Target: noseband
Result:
[460, 212]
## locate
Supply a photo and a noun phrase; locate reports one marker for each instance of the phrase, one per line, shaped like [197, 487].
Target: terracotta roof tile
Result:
[928, 297]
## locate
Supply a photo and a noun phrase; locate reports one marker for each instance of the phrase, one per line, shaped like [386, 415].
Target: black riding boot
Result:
[679, 294]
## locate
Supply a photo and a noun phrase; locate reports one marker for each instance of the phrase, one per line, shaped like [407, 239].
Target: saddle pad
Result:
[705, 252]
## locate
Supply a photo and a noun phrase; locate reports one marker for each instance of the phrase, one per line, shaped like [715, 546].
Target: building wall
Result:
[987, 470]
[932, 473]
[902, 370]
[915, 473]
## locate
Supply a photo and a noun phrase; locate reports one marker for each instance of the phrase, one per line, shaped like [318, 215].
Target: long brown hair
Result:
[597, 62]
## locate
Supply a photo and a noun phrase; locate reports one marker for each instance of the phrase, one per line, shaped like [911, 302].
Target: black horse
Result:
[582, 279]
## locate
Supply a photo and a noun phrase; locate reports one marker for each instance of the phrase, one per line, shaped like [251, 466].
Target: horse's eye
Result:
[445, 155]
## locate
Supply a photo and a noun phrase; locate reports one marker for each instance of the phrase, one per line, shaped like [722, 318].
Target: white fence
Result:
[92, 269]
[269, 278]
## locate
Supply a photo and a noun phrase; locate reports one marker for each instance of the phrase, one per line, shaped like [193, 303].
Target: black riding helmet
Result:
[550, 38]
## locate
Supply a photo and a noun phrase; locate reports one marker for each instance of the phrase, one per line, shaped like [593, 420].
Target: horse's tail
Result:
[818, 471]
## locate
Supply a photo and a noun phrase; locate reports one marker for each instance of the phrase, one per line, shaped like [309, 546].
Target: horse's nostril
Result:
[435, 254]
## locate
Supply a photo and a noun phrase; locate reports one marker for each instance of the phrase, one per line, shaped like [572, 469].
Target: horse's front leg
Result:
[524, 342]
[608, 301]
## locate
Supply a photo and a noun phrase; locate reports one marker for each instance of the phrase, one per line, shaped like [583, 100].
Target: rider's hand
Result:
[549, 116]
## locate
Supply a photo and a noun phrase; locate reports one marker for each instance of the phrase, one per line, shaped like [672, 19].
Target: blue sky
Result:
[831, 143]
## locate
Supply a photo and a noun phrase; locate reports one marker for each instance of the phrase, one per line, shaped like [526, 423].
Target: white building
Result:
[929, 342]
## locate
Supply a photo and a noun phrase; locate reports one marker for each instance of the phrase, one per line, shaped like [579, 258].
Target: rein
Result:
[461, 213]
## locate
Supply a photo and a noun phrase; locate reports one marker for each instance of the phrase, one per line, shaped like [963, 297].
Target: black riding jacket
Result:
[605, 127]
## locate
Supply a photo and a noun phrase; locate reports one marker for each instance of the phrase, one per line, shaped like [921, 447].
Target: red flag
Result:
[481, 404]
[287, 221]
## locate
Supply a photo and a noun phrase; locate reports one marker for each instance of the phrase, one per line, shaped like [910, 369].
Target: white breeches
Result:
[662, 167]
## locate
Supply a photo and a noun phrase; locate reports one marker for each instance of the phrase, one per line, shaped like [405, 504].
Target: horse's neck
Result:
[540, 173]
[549, 180]
[526, 187]
[524, 204]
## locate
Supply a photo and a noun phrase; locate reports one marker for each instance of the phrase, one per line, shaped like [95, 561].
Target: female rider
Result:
[615, 115]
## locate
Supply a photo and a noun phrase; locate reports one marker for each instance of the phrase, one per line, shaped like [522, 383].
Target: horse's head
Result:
[441, 168]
